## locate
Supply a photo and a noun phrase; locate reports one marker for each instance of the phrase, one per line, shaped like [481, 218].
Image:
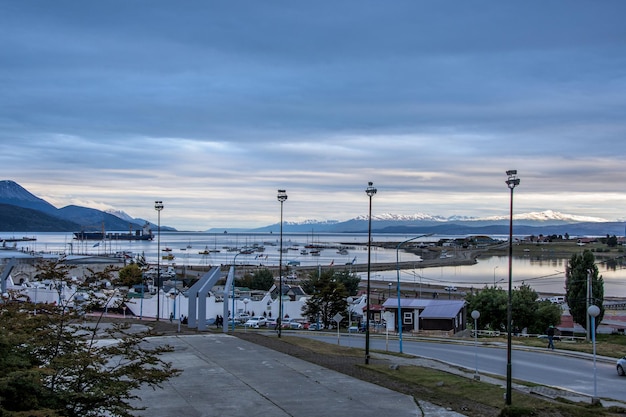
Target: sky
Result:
[212, 106]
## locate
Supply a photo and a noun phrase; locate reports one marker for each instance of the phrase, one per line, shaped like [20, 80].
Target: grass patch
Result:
[450, 390]
[324, 348]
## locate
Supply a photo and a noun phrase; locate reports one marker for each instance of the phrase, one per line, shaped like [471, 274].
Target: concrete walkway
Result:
[228, 377]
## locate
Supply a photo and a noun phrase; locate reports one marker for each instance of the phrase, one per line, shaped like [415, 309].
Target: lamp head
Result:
[593, 311]
[282, 195]
[370, 191]
[512, 181]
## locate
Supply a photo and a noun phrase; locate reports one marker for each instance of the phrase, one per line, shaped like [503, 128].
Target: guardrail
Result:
[496, 333]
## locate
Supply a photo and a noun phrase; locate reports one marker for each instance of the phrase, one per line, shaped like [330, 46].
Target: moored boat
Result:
[144, 234]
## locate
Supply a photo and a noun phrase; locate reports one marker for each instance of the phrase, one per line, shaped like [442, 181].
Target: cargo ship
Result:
[144, 234]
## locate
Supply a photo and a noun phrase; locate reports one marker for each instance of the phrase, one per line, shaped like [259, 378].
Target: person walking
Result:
[550, 333]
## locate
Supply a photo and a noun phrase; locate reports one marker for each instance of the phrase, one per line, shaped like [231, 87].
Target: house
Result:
[428, 314]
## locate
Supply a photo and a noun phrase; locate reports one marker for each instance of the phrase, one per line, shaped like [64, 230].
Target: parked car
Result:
[256, 322]
[291, 324]
[621, 366]
[316, 326]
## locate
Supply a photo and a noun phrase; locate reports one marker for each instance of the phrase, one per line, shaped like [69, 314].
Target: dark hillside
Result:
[20, 219]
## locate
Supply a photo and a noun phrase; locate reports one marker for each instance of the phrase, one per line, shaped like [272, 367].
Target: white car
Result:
[621, 366]
[256, 322]
[291, 324]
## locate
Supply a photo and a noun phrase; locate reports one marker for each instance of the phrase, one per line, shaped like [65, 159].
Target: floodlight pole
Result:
[370, 191]
[512, 182]
[158, 206]
[282, 196]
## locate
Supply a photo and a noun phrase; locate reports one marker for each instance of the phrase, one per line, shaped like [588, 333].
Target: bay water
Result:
[546, 276]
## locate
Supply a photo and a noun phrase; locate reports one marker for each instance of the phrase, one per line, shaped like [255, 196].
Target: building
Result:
[428, 314]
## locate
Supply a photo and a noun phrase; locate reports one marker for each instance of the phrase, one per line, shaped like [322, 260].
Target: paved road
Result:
[226, 376]
[561, 369]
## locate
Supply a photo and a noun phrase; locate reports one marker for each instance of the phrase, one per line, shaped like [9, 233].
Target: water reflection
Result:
[543, 275]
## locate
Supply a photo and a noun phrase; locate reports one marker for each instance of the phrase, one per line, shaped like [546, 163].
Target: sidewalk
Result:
[226, 376]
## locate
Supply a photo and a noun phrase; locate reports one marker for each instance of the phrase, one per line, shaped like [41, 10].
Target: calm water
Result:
[543, 275]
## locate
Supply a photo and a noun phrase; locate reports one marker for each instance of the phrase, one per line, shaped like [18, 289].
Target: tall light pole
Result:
[494, 276]
[594, 311]
[512, 182]
[370, 191]
[475, 316]
[158, 206]
[282, 196]
[398, 285]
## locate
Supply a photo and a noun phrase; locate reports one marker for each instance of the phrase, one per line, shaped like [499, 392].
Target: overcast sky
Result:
[212, 106]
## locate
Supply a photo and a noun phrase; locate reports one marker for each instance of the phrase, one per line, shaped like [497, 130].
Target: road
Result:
[558, 368]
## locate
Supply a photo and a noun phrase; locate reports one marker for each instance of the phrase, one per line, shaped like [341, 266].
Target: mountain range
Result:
[21, 211]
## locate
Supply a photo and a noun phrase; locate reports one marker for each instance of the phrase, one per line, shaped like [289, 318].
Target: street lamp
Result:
[475, 316]
[370, 191]
[512, 182]
[158, 206]
[389, 285]
[594, 311]
[350, 300]
[282, 196]
[494, 276]
[398, 285]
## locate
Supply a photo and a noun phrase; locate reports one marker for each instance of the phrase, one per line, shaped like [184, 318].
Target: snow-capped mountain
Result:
[548, 215]
[402, 217]
[537, 216]
[545, 222]
[120, 213]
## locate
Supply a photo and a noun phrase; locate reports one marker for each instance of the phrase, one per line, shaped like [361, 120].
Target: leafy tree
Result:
[328, 298]
[547, 314]
[244, 281]
[491, 302]
[130, 275]
[526, 311]
[524, 308]
[349, 280]
[579, 268]
[50, 363]
[262, 279]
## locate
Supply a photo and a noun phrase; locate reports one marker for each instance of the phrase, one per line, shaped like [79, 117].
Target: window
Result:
[408, 318]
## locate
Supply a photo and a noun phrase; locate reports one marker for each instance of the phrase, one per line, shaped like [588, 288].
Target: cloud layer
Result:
[213, 106]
